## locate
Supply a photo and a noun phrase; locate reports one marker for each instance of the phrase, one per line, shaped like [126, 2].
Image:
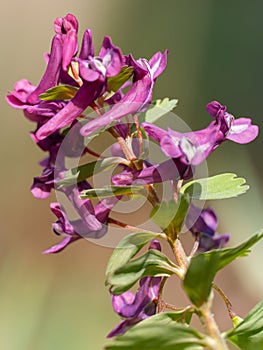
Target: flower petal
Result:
[88, 92]
[61, 245]
[51, 75]
[242, 131]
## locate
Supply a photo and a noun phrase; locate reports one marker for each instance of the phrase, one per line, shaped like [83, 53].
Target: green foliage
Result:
[248, 334]
[128, 247]
[171, 215]
[110, 191]
[162, 331]
[216, 187]
[199, 277]
[204, 266]
[227, 255]
[116, 82]
[152, 263]
[82, 172]
[60, 92]
[160, 108]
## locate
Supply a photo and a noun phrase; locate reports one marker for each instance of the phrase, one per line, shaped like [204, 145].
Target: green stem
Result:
[211, 327]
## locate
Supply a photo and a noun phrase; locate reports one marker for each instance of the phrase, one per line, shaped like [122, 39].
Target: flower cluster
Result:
[84, 79]
[117, 88]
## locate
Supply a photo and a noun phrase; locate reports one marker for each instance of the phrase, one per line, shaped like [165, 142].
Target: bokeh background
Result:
[216, 52]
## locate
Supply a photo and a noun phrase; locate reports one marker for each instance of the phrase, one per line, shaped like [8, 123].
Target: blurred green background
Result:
[216, 52]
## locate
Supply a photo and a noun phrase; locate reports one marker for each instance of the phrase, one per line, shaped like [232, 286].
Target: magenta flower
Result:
[107, 64]
[67, 30]
[139, 95]
[134, 308]
[203, 225]
[238, 130]
[94, 72]
[171, 169]
[191, 148]
[42, 185]
[18, 98]
[39, 112]
[194, 147]
[51, 75]
[77, 229]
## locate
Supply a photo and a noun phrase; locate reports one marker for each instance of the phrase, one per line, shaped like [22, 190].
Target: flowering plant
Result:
[80, 98]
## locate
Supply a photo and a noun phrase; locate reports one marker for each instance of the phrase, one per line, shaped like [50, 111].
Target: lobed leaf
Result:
[128, 247]
[152, 263]
[216, 187]
[199, 277]
[160, 108]
[248, 334]
[82, 172]
[171, 215]
[227, 255]
[204, 266]
[161, 331]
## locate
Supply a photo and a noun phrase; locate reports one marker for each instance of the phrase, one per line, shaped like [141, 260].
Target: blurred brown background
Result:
[216, 52]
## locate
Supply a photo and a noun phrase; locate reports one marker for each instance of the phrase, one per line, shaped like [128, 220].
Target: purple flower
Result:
[134, 308]
[51, 75]
[94, 72]
[140, 94]
[238, 130]
[107, 64]
[203, 225]
[42, 185]
[63, 48]
[67, 29]
[39, 112]
[43, 110]
[88, 92]
[77, 229]
[18, 98]
[171, 169]
[194, 147]
[190, 148]
[215, 109]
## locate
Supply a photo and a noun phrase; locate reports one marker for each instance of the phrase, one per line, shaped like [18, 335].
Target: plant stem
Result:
[211, 327]
[133, 228]
[231, 313]
[160, 303]
[179, 254]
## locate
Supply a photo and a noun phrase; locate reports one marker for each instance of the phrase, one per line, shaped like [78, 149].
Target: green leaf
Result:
[61, 92]
[152, 263]
[204, 266]
[160, 332]
[216, 187]
[82, 172]
[227, 255]
[116, 82]
[110, 191]
[199, 277]
[160, 108]
[170, 215]
[128, 247]
[248, 334]
[164, 213]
